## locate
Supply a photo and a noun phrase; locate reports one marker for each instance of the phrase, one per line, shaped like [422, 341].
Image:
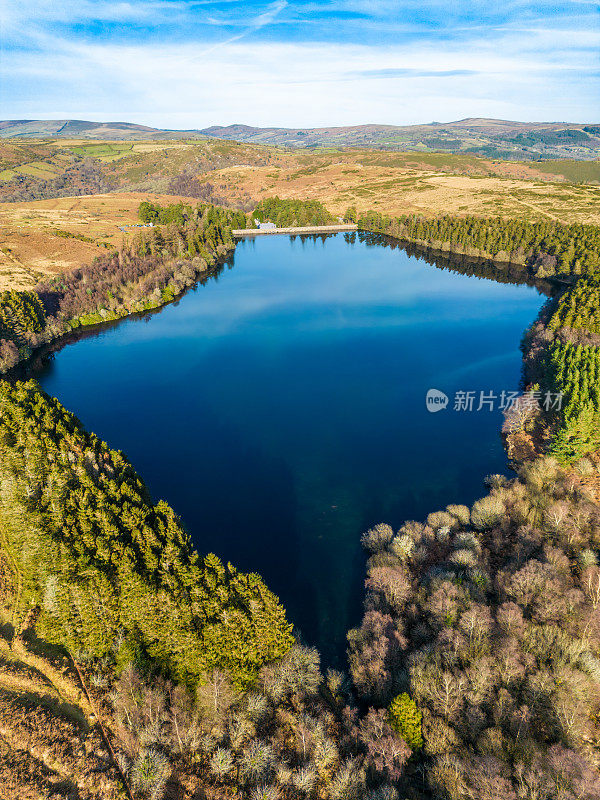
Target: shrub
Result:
[221, 763]
[305, 780]
[150, 773]
[257, 708]
[387, 753]
[295, 675]
[383, 793]
[584, 466]
[349, 783]
[374, 654]
[587, 558]
[265, 793]
[402, 546]
[467, 541]
[392, 584]
[496, 481]
[464, 558]
[440, 519]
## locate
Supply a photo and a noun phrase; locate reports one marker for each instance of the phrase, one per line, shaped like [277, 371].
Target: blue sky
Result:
[299, 63]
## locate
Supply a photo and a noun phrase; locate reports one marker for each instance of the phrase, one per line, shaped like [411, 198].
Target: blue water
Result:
[280, 408]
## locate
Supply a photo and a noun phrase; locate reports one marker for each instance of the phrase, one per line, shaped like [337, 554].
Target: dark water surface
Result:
[280, 408]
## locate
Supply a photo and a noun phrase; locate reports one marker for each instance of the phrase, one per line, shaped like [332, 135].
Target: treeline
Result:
[487, 618]
[148, 270]
[22, 323]
[574, 371]
[546, 248]
[182, 215]
[562, 351]
[457, 262]
[291, 213]
[568, 136]
[115, 574]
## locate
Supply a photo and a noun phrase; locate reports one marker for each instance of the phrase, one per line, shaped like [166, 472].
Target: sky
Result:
[184, 64]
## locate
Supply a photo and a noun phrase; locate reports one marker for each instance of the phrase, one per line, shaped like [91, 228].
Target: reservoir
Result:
[280, 407]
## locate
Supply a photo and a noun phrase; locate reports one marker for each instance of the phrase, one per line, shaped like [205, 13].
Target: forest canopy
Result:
[292, 213]
[547, 248]
[108, 566]
[487, 619]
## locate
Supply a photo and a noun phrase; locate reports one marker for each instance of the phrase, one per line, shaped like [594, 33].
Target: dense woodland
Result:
[21, 314]
[292, 213]
[562, 356]
[579, 308]
[22, 326]
[488, 618]
[546, 248]
[190, 218]
[108, 565]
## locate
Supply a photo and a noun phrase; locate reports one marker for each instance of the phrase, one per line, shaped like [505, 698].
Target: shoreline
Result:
[75, 326]
[442, 249]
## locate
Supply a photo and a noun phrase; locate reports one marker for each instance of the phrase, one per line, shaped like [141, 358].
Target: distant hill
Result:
[82, 129]
[492, 138]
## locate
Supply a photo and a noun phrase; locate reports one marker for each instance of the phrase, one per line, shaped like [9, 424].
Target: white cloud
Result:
[536, 73]
[252, 26]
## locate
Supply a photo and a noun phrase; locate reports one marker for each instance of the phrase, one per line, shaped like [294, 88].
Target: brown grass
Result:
[396, 190]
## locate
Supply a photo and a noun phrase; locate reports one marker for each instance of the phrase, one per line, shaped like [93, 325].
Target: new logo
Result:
[435, 400]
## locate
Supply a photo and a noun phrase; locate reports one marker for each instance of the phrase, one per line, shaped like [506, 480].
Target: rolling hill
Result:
[491, 138]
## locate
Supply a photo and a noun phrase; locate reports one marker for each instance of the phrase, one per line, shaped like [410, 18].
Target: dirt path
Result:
[537, 209]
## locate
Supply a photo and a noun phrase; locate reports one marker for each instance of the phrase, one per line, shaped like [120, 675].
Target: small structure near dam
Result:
[262, 231]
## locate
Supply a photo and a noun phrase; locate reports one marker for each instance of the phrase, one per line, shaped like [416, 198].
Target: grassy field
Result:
[401, 189]
[32, 241]
[31, 245]
[103, 152]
